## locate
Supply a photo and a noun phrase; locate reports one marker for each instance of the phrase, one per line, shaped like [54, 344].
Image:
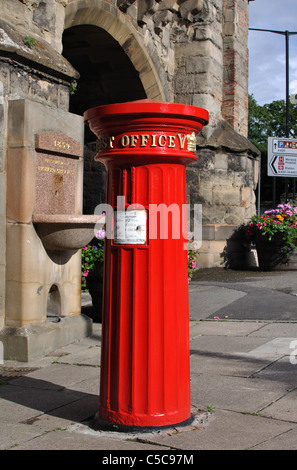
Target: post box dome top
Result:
[146, 131]
[148, 107]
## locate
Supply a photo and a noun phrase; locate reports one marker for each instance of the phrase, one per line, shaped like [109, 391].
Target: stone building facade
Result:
[66, 56]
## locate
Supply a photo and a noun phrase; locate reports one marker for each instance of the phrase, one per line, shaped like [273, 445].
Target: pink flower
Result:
[85, 248]
[100, 234]
[86, 273]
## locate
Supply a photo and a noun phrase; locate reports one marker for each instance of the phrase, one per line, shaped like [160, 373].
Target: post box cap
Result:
[148, 107]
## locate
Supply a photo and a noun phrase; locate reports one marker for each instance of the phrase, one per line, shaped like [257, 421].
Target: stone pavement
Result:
[243, 328]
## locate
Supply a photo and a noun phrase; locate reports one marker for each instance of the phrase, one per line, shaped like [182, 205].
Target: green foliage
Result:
[30, 42]
[72, 88]
[210, 408]
[92, 255]
[192, 258]
[269, 120]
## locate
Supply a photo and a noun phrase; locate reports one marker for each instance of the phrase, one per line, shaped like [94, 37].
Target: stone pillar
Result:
[34, 99]
[235, 63]
[35, 276]
[3, 118]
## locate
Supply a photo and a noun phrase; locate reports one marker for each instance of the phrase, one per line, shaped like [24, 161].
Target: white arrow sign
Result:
[282, 157]
[283, 165]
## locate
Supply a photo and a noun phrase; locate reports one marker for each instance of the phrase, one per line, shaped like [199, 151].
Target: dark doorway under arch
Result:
[53, 313]
[107, 76]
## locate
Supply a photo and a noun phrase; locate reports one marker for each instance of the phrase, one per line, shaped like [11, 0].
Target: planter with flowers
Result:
[274, 234]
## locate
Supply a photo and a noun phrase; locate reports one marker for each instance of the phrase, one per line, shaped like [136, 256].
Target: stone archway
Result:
[110, 18]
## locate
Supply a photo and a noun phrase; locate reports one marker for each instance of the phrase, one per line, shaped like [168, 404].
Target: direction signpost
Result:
[282, 157]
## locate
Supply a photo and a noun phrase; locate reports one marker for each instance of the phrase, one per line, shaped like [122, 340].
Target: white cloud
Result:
[267, 59]
[293, 86]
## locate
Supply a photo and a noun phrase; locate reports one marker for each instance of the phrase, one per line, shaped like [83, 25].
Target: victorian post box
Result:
[145, 371]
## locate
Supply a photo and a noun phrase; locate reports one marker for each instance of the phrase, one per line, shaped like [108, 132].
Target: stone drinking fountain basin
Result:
[60, 232]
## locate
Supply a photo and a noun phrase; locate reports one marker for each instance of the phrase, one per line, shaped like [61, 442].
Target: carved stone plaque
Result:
[56, 173]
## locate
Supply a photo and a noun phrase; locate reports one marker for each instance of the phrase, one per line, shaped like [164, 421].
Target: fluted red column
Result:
[145, 371]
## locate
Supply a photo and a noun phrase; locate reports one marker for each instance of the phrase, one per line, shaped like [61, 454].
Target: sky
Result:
[267, 51]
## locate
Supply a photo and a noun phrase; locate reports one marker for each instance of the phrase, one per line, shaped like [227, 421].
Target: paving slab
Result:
[274, 330]
[285, 408]
[224, 327]
[42, 423]
[229, 364]
[77, 411]
[55, 377]
[241, 394]
[14, 434]
[276, 348]
[88, 357]
[90, 386]
[225, 344]
[226, 430]
[284, 441]
[73, 440]
[19, 404]
[282, 370]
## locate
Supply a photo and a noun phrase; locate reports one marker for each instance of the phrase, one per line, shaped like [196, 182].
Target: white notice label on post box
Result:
[130, 227]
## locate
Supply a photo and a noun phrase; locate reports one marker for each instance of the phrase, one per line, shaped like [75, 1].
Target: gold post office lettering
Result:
[182, 141]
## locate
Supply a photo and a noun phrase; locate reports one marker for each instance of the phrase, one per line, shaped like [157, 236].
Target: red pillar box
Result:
[145, 373]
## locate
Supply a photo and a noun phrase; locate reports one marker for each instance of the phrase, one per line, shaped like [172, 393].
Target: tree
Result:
[270, 120]
[257, 129]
